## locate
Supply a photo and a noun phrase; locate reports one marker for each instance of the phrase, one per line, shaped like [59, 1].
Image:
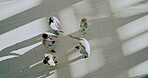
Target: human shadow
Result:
[25, 19]
[142, 2]
[46, 68]
[115, 67]
[19, 45]
[141, 76]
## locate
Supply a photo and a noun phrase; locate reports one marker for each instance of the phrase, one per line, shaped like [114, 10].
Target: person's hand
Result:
[53, 47]
[61, 31]
[70, 35]
[55, 36]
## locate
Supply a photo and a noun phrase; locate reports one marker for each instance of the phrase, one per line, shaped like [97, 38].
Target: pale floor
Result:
[118, 40]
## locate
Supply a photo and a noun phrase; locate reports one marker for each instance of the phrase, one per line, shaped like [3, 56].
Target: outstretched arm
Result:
[51, 34]
[49, 48]
[78, 38]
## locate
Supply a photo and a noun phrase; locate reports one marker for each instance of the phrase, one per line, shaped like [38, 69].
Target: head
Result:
[83, 20]
[45, 61]
[44, 36]
[82, 43]
[51, 19]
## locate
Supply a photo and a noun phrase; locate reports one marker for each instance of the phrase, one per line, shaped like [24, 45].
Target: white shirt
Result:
[50, 61]
[85, 43]
[48, 33]
[55, 24]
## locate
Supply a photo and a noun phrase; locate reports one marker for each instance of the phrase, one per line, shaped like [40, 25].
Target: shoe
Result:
[53, 51]
[85, 56]
[56, 62]
[77, 47]
[54, 57]
[53, 42]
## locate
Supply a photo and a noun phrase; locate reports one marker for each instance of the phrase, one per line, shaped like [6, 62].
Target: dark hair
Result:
[44, 36]
[51, 19]
[83, 19]
[45, 60]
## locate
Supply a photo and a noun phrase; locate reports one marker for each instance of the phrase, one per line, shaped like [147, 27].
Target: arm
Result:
[52, 25]
[58, 24]
[57, 20]
[48, 33]
[48, 64]
[78, 38]
[86, 25]
[45, 55]
[48, 54]
[82, 45]
[49, 48]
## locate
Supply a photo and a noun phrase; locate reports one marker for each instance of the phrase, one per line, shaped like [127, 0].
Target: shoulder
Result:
[86, 24]
[54, 17]
[44, 41]
[45, 55]
[84, 39]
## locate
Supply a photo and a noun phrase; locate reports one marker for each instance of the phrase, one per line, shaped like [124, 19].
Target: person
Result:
[51, 34]
[54, 23]
[85, 47]
[83, 26]
[49, 59]
[47, 41]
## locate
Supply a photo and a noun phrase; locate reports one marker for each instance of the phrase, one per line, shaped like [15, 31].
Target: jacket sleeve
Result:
[57, 20]
[48, 33]
[53, 27]
[78, 38]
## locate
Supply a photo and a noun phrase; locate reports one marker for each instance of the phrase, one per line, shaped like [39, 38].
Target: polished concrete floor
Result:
[118, 36]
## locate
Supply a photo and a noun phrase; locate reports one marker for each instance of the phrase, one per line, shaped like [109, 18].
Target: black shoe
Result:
[85, 56]
[53, 51]
[50, 38]
[54, 57]
[53, 42]
[56, 62]
[77, 47]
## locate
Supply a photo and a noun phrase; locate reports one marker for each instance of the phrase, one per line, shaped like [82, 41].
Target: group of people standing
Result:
[48, 42]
